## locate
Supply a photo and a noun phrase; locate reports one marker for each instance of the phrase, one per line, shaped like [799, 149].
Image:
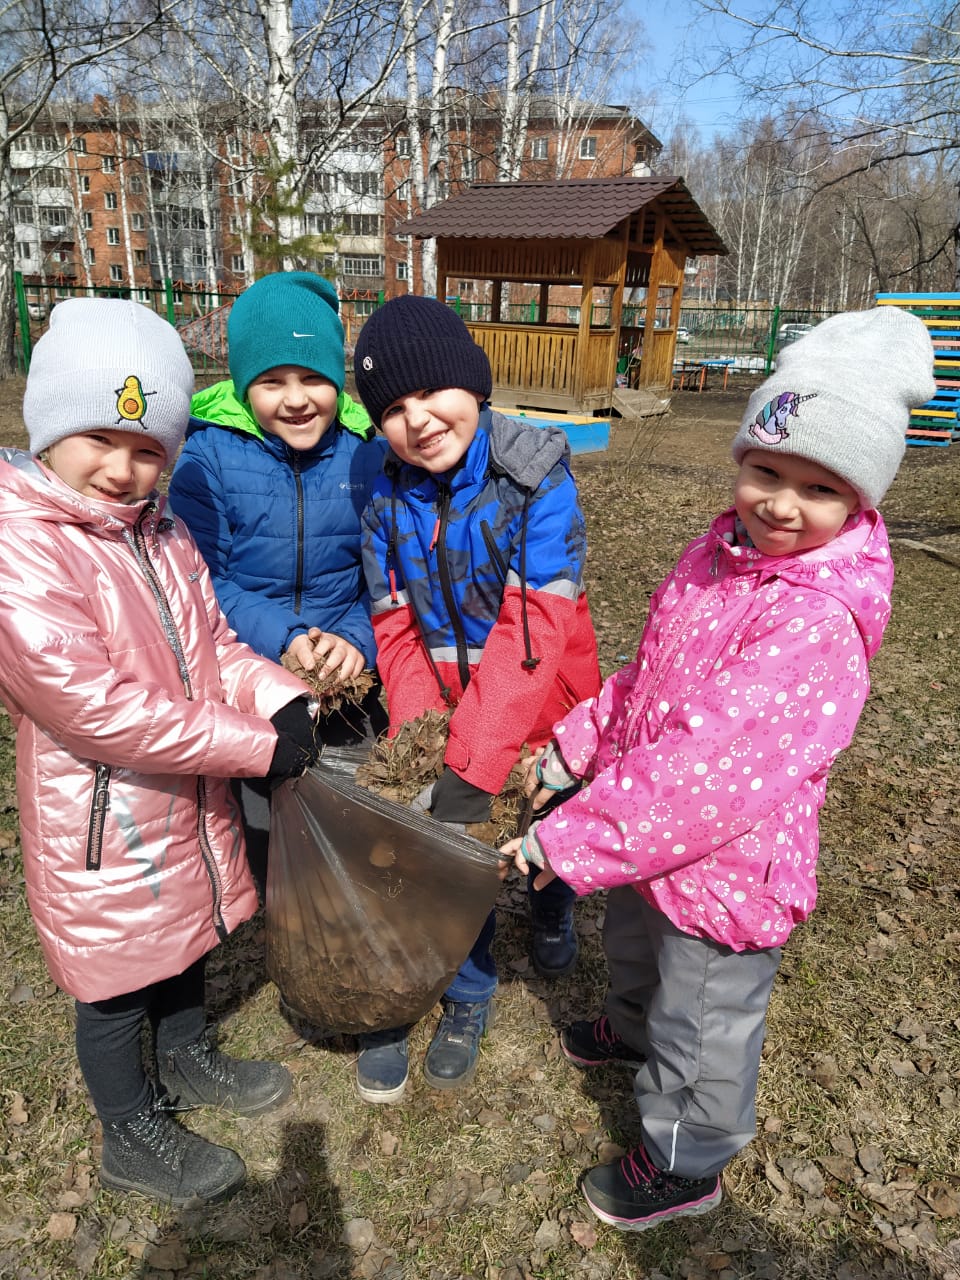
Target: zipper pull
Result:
[436, 535]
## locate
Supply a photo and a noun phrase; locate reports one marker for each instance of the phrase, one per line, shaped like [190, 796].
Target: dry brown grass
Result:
[854, 1173]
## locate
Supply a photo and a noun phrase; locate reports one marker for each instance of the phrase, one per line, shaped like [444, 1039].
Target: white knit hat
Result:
[107, 364]
[841, 396]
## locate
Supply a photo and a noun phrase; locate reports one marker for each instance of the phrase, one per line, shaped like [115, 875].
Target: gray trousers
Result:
[697, 1010]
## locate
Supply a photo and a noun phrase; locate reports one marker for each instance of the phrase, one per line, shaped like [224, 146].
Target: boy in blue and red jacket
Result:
[473, 550]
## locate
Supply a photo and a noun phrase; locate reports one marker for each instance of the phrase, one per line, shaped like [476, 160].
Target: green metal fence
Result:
[179, 306]
[750, 336]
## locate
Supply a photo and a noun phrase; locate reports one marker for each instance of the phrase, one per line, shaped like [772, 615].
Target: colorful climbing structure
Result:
[938, 421]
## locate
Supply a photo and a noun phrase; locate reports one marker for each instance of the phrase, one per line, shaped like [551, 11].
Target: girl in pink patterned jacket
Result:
[134, 704]
[692, 783]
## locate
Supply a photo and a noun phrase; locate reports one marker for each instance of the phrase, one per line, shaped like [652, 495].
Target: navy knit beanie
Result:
[416, 344]
[289, 317]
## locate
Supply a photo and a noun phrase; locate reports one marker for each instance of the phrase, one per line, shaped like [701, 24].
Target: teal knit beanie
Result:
[289, 317]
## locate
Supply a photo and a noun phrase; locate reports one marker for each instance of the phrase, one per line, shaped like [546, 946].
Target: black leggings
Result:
[109, 1038]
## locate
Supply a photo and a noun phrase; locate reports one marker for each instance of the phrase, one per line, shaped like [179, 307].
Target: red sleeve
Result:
[404, 667]
[505, 701]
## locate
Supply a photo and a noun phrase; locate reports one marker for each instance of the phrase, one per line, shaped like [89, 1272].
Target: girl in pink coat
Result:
[694, 780]
[134, 705]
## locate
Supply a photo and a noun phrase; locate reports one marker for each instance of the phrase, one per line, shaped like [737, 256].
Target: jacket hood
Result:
[219, 406]
[29, 489]
[839, 568]
[510, 446]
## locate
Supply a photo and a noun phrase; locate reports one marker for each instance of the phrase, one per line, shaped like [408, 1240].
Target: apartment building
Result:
[124, 198]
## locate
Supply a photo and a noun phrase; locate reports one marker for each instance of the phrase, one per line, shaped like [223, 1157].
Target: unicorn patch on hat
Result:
[132, 401]
[769, 426]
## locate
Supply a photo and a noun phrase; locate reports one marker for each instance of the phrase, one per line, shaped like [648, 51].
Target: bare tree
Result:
[42, 47]
[884, 78]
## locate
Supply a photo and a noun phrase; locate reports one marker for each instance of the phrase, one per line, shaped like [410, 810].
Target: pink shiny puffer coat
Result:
[134, 705]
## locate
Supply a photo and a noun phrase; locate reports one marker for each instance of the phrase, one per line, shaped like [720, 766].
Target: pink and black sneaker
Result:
[632, 1194]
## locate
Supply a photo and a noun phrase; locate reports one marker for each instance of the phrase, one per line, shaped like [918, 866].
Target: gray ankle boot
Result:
[153, 1154]
[197, 1074]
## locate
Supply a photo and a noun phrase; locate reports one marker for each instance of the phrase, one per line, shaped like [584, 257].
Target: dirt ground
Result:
[854, 1172]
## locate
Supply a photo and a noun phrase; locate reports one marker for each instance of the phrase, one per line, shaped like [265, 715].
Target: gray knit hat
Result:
[107, 364]
[841, 396]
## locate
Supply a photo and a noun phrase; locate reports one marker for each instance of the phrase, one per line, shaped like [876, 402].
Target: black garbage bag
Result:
[371, 907]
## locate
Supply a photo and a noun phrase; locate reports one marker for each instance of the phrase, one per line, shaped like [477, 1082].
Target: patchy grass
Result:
[853, 1174]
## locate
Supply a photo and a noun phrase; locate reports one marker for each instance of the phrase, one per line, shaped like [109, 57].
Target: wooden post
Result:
[586, 306]
[495, 300]
[544, 304]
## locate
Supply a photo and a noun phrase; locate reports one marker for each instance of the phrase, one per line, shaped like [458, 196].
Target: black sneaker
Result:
[633, 1195]
[197, 1074]
[152, 1154]
[553, 947]
[451, 1060]
[591, 1044]
[382, 1065]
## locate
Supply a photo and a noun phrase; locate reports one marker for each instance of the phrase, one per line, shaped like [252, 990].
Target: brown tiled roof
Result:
[571, 208]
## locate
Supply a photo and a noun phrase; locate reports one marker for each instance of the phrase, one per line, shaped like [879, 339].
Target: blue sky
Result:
[674, 35]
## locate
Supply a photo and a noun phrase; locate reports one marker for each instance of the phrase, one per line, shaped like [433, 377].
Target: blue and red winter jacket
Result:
[476, 586]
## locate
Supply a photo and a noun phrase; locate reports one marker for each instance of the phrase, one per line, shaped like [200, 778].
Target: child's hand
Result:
[524, 852]
[331, 653]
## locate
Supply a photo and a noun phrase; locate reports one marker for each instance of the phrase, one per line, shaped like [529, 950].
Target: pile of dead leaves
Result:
[401, 767]
[331, 691]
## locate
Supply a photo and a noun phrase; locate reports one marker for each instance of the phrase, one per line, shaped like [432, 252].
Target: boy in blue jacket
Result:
[272, 480]
[473, 548]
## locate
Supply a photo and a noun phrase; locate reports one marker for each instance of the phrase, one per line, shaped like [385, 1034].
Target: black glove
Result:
[297, 723]
[289, 760]
[297, 745]
[456, 800]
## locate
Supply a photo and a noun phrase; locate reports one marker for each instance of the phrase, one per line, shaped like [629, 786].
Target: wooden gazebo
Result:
[603, 235]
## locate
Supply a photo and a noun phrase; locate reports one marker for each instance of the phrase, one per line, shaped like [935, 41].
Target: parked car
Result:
[37, 310]
[683, 334]
[791, 332]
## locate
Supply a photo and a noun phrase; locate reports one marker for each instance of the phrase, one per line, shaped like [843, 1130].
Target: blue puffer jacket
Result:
[279, 528]
[476, 582]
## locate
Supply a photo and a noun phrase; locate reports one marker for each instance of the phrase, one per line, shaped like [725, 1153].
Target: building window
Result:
[53, 216]
[136, 186]
[233, 146]
[403, 145]
[236, 263]
[22, 213]
[84, 181]
[139, 257]
[88, 221]
[470, 170]
[109, 199]
[588, 148]
[234, 224]
[91, 256]
[142, 295]
[403, 272]
[136, 221]
[108, 164]
[23, 250]
[80, 146]
[363, 224]
[116, 271]
[540, 149]
[366, 264]
[113, 235]
[364, 307]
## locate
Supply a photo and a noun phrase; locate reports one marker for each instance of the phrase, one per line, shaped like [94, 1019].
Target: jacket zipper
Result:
[99, 805]
[298, 481]
[494, 551]
[173, 639]
[446, 587]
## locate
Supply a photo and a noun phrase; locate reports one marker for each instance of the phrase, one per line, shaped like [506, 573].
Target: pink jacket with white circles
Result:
[707, 757]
